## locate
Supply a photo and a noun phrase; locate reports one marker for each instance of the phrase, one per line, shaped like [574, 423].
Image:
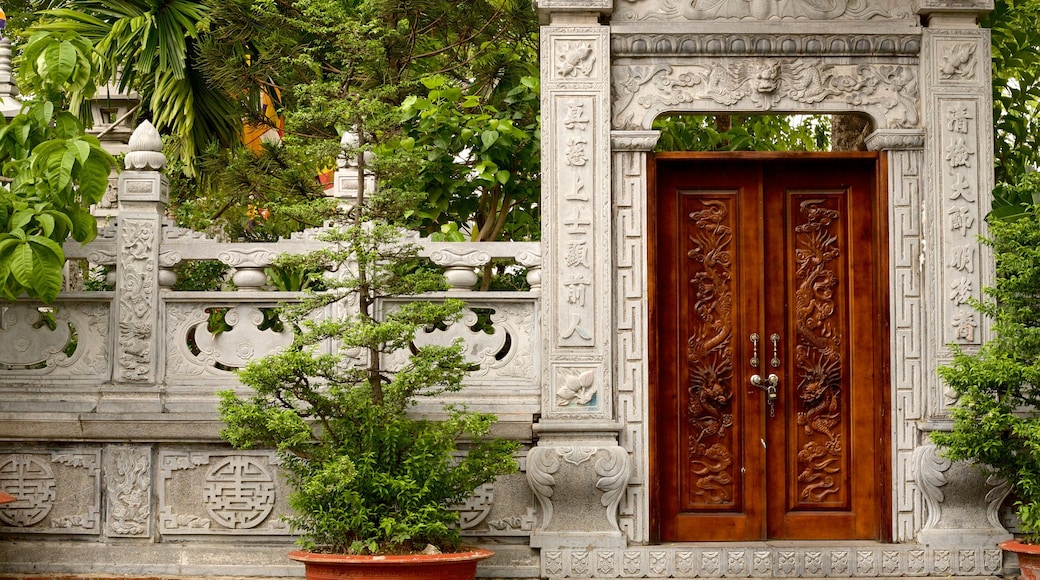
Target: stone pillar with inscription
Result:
[962, 505]
[143, 194]
[577, 470]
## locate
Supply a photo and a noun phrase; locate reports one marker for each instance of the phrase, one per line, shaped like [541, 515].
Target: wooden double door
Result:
[770, 319]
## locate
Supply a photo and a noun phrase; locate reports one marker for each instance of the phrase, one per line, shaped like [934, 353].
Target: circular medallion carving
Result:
[239, 492]
[31, 481]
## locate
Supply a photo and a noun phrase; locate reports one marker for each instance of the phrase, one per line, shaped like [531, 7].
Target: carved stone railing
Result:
[144, 347]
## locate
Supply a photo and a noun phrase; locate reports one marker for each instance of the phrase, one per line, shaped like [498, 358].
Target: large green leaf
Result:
[93, 179]
[59, 60]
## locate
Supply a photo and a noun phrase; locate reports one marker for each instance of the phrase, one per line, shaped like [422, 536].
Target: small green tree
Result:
[367, 476]
[52, 171]
[996, 420]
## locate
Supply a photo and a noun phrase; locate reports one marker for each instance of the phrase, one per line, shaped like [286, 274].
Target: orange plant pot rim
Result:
[1019, 547]
[472, 554]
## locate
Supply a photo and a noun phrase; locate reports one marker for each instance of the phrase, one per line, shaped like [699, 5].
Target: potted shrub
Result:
[371, 483]
[996, 420]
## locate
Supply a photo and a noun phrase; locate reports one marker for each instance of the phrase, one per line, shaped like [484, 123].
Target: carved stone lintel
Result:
[889, 93]
[740, 10]
[966, 6]
[627, 44]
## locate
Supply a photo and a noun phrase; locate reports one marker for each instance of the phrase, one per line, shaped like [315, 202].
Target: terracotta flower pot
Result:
[457, 566]
[1028, 557]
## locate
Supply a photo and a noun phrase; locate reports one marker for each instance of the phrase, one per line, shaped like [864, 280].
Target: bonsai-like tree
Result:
[996, 421]
[368, 477]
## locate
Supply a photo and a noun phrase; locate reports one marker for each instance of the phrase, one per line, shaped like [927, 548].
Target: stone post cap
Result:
[145, 149]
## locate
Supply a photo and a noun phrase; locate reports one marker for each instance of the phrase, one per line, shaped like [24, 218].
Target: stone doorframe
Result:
[608, 69]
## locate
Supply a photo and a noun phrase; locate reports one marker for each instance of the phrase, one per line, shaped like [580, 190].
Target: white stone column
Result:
[143, 194]
[962, 505]
[577, 470]
[957, 107]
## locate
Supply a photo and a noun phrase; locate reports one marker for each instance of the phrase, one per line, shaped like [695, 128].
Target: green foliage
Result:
[201, 275]
[739, 133]
[997, 415]
[480, 165]
[54, 172]
[1016, 89]
[152, 47]
[332, 68]
[368, 477]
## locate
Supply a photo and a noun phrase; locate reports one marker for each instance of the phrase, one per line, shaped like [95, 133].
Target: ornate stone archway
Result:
[920, 71]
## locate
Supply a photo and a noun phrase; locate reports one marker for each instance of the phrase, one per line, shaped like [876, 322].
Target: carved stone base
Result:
[578, 474]
[962, 501]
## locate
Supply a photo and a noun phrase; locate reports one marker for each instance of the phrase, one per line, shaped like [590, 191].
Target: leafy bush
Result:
[996, 418]
[367, 476]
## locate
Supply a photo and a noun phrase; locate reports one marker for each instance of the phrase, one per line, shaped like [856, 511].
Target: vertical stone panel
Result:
[128, 491]
[575, 204]
[907, 334]
[630, 191]
[957, 105]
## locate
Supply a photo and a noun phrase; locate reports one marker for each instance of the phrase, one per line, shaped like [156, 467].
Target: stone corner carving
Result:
[895, 140]
[634, 140]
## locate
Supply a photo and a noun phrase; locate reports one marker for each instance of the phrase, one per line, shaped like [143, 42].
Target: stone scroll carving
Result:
[607, 468]
[642, 92]
[69, 339]
[192, 350]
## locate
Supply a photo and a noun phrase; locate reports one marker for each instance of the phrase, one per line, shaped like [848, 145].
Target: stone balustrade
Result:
[144, 347]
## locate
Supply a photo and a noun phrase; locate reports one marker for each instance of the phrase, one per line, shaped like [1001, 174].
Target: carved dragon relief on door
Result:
[822, 462]
[710, 358]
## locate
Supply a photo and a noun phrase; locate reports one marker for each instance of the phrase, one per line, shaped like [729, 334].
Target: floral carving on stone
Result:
[575, 58]
[129, 491]
[576, 387]
[958, 61]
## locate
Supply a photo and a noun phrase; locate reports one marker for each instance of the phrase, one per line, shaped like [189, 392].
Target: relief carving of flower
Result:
[576, 387]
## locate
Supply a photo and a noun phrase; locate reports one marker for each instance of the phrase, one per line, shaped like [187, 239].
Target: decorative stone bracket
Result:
[963, 503]
[570, 464]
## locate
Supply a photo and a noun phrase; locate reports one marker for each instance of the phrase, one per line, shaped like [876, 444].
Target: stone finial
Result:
[9, 103]
[145, 149]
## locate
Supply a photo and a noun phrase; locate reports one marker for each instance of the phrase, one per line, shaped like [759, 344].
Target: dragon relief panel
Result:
[658, 10]
[888, 92]
[818, 354]
[710, 357]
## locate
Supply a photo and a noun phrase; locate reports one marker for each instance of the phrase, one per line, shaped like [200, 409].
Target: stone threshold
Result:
[772, 560]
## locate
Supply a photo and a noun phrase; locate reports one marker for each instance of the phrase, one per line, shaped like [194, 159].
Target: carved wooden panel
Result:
[819, 424]
[712, 480]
